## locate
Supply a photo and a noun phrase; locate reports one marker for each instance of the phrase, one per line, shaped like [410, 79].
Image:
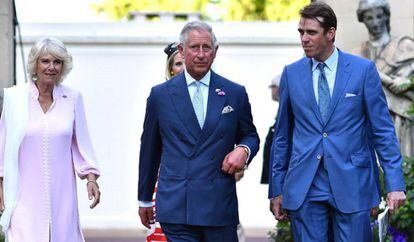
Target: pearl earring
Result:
[34, 77]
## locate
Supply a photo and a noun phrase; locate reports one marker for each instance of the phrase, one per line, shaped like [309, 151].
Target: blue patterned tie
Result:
[198, 104]
[324, 97]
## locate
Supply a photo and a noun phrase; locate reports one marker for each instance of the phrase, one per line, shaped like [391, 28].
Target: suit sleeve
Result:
[247, 134]
[150, 152]
[384, 138]
[282, 141]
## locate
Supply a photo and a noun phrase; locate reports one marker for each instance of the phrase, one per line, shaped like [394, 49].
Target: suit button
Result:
[325, 135]
[318, 157]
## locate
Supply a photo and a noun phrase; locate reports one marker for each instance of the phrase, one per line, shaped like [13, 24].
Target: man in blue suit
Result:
[332, 111]
[198, 131]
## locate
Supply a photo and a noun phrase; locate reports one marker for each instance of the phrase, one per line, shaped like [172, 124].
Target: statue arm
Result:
[399, 82]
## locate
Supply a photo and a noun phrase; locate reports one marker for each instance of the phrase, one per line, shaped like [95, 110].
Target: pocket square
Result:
[227, 109]
[350, 94]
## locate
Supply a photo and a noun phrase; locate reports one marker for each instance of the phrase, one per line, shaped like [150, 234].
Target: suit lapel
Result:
[181, 98]
[214, 107]
[309, 93]
[341, 81]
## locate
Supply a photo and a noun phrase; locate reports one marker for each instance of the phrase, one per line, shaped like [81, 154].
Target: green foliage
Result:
[246, 10]
[403, 219]
[280, 10]
[233, 10]
[119, 9]
[282, 233]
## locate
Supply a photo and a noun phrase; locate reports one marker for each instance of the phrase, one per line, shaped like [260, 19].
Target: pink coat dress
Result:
[55, 148]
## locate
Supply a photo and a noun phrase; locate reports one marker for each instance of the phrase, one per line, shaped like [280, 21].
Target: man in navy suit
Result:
[198, 131]
[332, 112]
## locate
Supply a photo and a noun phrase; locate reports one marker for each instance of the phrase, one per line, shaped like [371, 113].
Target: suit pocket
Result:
[352, 98]
[361, 160]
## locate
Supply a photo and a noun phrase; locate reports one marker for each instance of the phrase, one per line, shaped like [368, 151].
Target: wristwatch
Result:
[247, 160]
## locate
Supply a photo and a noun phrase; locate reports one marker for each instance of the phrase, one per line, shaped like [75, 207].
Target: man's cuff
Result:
[144, 204]
[248, 153]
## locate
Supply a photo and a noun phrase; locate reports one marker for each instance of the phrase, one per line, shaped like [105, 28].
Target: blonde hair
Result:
[169, 65]
[53, 47]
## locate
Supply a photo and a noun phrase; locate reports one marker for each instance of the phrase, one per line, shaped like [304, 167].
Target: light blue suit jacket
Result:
[192, 189]
[357, 106]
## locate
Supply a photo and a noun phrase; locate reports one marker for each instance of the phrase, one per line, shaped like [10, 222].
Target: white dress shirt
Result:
[204, 86]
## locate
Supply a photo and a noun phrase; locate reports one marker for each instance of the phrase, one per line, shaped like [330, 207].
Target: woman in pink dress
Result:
[44, 143]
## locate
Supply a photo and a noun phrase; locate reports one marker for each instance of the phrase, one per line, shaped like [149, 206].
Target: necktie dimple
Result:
[324, 97]
[198, 104]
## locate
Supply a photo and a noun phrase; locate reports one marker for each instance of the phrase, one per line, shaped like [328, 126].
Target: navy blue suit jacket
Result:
[358, 121]
[192, 189]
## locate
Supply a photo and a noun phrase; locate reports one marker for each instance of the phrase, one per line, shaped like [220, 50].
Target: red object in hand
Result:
[155, 234]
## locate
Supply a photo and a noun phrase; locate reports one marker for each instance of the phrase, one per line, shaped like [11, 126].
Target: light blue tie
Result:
[324, 97]
[198, 104]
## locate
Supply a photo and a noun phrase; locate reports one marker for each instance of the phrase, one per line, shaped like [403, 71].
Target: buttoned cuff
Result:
[248, 154]
[145, 204]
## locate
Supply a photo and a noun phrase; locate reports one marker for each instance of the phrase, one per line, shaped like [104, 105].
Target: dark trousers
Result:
[192, 233]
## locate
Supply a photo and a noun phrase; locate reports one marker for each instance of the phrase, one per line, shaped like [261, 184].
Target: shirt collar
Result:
[330, 63]
[190, 80]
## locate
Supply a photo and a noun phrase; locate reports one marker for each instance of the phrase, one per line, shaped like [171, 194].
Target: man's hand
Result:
[234, 161]
[276, 209]
[146, 214]
[395, 200]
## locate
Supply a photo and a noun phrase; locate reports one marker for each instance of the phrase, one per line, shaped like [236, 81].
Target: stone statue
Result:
[394, 58]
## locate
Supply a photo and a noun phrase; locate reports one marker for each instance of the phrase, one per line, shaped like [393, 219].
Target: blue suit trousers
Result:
[320, 220]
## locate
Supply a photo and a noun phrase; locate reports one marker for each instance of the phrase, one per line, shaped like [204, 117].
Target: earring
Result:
[34, 77]
[172, 73]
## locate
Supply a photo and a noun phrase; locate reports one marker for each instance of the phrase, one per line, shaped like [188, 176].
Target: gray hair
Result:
[197, 25]
[53, 47]
[365, 5]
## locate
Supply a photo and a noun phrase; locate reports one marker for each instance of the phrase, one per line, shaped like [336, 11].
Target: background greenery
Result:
[403, 220]
[231, 10]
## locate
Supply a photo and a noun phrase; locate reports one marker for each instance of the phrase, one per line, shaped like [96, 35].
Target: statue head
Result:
[375, 14]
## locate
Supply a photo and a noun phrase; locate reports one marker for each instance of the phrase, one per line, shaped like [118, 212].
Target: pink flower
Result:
[221, 93]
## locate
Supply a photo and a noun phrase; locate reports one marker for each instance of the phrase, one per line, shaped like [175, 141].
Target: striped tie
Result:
[324, 97]
[198, 104]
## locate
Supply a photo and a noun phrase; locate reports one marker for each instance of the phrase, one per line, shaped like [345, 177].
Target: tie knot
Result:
[321, 66]
[198, 84]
